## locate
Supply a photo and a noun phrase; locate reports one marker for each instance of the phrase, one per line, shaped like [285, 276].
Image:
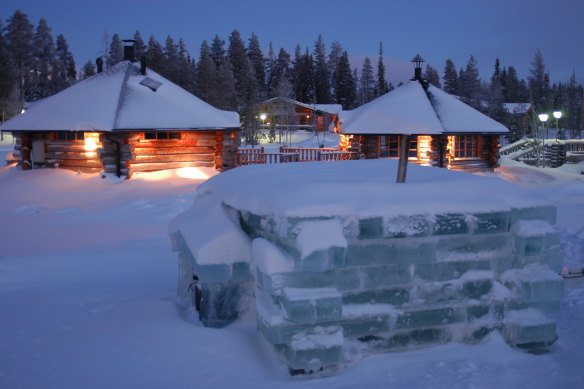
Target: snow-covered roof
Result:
[121, 98]
[518, 108]
[408, 110]
[458, 117]
[327, 108]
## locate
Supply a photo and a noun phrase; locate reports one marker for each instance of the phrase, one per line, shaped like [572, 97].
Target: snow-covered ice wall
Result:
[337, 253]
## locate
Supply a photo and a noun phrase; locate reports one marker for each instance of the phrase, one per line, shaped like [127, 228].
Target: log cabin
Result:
[123, 120]
[281, 111]
[443, 131]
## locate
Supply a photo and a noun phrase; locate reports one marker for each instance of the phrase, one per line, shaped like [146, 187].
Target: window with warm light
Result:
[389, 146]
[466, 146]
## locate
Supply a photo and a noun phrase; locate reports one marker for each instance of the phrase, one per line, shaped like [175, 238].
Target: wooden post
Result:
[403, 159]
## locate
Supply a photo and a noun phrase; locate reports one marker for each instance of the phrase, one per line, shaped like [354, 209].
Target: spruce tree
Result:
[469, 84]
[116, 51]
[140, 46]
[217, 50]
[322, 88]
[67, 74]
[206, 76]
[7, 80]
[19, 35]
[450, 78]
[344, 83]
[155, 55]
[382, 87]
[87, 70]
[254, 52]
[44, 63]
[333, 62]
[539, 83]
[431, 75]
[367, 82]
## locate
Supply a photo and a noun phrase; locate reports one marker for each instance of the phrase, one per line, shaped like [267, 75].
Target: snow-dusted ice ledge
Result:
[336, 253]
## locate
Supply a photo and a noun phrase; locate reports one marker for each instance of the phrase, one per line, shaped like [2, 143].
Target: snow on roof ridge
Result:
[122, 94]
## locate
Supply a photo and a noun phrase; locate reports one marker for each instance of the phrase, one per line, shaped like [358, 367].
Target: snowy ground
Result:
[87, 286]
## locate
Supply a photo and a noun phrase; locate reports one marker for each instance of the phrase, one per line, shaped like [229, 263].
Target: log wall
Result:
[129, 152]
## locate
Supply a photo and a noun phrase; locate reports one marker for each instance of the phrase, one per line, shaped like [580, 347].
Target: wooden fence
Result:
[291, 154]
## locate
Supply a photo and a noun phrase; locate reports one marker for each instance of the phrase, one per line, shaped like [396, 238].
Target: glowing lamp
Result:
[543, 117]
[557, 114]
[263, 116]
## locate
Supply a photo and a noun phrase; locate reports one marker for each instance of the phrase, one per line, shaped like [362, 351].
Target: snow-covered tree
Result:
[538, 80]
[87, 70]
[139, 45]
[254, 52]
[367, 82]
[345, 91]
[19, 35]
[116, 51]
[217, 50]
[155, 55]
[469, 86]
[322, 87]
[382, 85]
[450, 78]
[44, 63]
[67, 72]
[431, 75]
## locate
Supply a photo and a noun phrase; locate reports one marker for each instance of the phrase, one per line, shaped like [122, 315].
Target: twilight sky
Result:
[509, 29]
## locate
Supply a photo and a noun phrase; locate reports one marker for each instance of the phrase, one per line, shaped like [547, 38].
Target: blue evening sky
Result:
[511, 30]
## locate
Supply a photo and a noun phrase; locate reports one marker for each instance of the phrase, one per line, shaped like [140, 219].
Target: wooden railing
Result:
[292, 154]
[574, 146]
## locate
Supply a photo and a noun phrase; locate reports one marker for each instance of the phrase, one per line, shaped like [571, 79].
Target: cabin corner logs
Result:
[124, 153]
[457, 152]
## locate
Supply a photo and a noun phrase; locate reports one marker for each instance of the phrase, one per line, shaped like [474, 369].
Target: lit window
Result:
[466, 146]
[389, 146]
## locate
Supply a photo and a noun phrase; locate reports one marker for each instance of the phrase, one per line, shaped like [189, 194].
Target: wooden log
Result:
[173, 158]
[196, 135]
[76, 163]
[173, 143]
[174, 150]
[149, 167]
[71, 155]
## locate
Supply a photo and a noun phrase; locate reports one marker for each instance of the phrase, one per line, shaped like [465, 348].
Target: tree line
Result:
[236, 75]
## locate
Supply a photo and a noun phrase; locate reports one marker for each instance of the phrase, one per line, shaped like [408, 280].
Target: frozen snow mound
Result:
[336, 253]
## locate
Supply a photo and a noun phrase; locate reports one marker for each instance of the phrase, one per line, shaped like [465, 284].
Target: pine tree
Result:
[186, 68]
[431, 75]
[7, 80]
[140, 46]
[217, 51]
[88, 70]
[243, 73]
[19, 43]
[450, 78]
[344, 83]
[574, 107]
[254, 52]
[116, 51]
[206, 75]
[307, 76]
[367, 82]
[281, 73]
[67, 72]
[44, 63]
[322, 88]
[382, 87]
[469, 84]
[538, 83]
[333, 62]
[171, 61]
[155, 55]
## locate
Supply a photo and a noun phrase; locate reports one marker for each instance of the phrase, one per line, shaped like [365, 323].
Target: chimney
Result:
[143, 65]
[417, 67]
[99, 63]
[129, 50]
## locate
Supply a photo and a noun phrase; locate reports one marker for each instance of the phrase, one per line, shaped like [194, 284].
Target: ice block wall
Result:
[394, 282]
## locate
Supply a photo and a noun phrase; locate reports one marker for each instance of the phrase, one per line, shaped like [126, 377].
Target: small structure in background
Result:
[123, 120]
[281, 112]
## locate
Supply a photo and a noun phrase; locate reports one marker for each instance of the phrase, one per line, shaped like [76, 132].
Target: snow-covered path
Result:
[87, 285]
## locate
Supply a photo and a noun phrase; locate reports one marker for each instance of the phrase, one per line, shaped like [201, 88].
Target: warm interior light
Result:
[557, 114]
[543, 117]
[192, 173]
[90, 144]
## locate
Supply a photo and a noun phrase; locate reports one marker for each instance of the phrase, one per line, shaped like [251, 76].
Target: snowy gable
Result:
[405, 110]
[117, 99]
[458, 117]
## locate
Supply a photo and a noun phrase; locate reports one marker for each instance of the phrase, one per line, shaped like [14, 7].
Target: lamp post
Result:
[558, 116]
[263, 117]
[543, 117]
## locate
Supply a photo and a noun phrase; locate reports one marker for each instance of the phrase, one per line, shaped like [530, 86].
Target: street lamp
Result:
[558, 116]
[263, 117]
[543, 117]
